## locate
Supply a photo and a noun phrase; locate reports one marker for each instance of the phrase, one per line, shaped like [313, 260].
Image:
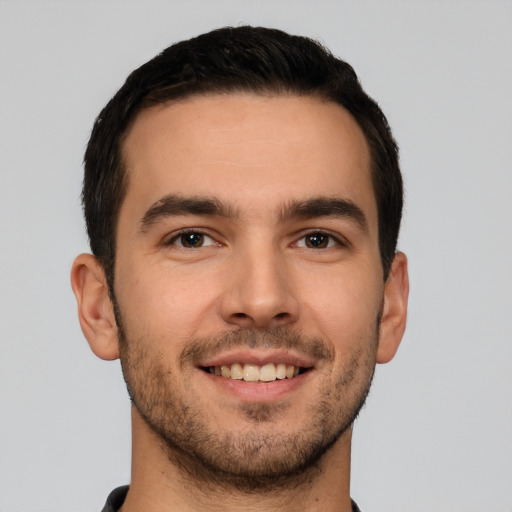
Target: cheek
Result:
[344, 306]
[160, 302]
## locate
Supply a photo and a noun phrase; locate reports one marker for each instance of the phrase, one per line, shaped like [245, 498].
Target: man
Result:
[243, 199]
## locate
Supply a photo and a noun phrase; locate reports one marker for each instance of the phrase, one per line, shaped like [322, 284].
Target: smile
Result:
[256, 373]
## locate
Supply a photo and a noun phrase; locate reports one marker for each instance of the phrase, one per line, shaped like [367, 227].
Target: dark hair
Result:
[232, 60]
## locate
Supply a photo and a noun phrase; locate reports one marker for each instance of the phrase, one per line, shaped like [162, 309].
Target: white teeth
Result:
[281, 371]
[236, 372]
[268, 373]
[254, 373]
[251, 373]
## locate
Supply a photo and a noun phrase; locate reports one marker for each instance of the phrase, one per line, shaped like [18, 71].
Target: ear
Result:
[394, 311]
[95, 309]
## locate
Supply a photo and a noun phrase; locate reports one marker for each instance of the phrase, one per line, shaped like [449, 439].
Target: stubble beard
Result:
[260, 459]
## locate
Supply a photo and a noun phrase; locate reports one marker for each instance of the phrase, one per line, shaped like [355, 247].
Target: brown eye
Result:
[192, 240]
[317, 241]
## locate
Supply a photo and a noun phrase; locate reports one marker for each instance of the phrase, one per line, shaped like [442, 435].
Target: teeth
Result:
[268, 373]
[254, 373]
[236, 372]
[251, 373]
[281, 371]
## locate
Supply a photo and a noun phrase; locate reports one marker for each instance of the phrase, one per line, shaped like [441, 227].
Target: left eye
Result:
[192, 240]
[316, 241]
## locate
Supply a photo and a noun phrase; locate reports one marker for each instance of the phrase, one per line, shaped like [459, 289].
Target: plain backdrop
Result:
[436, 434]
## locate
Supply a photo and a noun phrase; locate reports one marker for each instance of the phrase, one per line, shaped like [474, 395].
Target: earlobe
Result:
[95, 310]
[394, 311]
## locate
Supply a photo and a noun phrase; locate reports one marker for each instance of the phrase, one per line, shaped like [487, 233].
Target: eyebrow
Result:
[174, 206]
[325, 207]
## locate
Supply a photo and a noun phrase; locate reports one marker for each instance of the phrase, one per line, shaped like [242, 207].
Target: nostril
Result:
[259, 320]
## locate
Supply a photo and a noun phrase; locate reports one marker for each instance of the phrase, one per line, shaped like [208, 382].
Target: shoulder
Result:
[116, 499]
[355, 508]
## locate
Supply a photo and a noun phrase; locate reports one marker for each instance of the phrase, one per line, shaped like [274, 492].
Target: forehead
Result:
[247, 149]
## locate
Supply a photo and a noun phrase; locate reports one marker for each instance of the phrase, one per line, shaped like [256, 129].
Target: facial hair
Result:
[258, 459]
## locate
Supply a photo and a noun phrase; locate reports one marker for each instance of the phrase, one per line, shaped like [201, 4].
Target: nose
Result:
[260, 291]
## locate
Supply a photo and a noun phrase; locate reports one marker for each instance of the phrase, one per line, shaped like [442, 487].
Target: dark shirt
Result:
[117, 497]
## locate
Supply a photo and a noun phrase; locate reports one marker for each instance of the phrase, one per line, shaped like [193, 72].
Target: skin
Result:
[254, 277]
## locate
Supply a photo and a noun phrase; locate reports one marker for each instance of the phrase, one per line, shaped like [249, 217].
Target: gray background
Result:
[436, 434]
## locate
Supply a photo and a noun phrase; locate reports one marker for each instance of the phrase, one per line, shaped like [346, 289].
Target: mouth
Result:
[249, 372]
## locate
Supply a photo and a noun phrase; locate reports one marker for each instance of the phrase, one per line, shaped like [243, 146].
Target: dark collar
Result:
[117, 497]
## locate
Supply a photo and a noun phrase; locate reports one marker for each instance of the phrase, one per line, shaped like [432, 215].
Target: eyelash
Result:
[332, 240]
[183, 232]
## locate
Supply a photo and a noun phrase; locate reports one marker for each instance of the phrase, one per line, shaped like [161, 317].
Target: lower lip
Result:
[258, 391]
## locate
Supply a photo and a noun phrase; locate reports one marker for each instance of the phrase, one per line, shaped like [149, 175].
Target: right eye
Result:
[191, 240]
[318, 240]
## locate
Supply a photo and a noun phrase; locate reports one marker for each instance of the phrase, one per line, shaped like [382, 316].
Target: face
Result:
[248, 280]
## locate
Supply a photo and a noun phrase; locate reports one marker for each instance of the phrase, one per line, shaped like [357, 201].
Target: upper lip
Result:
[258, 357]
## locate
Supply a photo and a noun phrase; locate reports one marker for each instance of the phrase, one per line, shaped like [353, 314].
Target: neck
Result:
[159, 482]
